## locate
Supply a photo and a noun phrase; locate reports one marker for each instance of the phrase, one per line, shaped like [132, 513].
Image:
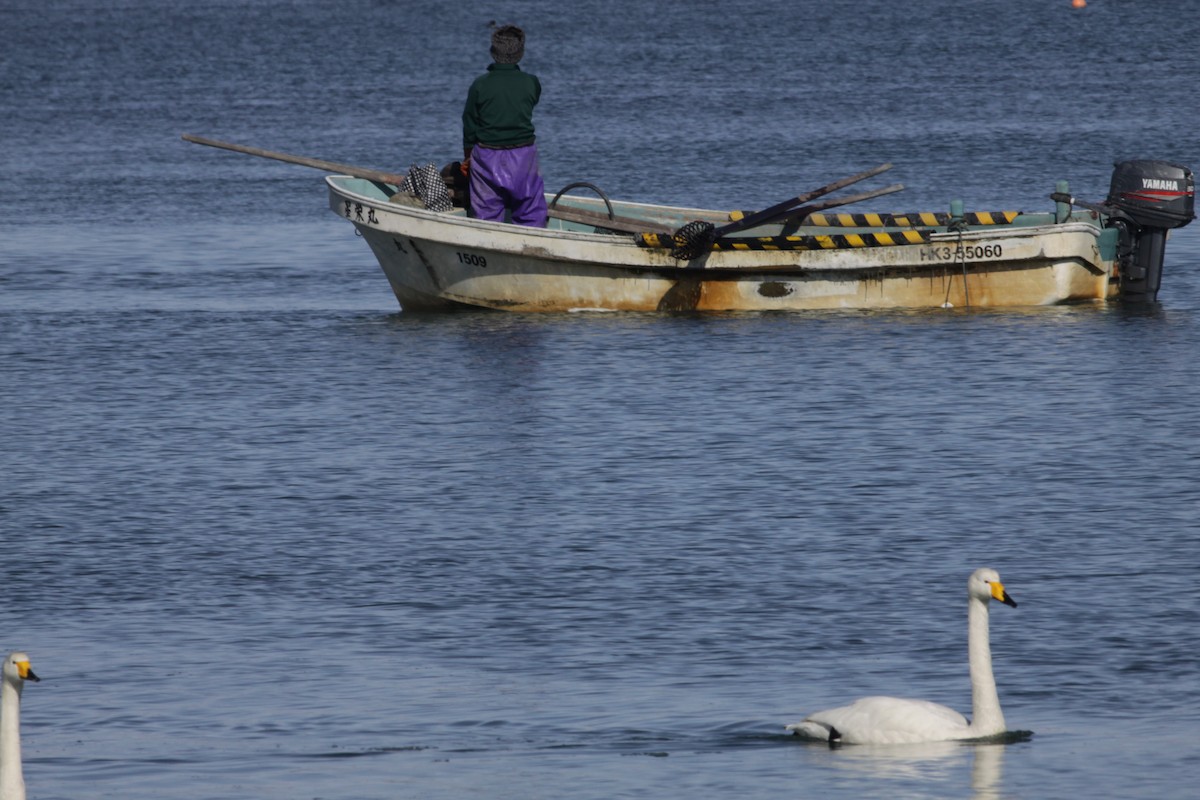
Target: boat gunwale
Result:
[688, 212]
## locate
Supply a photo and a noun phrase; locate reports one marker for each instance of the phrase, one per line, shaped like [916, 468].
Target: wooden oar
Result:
[791, 222]
[798, 215]
[696, 238]
[315, 163]
[785, 208]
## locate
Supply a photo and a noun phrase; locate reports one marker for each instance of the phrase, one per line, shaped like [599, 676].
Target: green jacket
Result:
[499, 109]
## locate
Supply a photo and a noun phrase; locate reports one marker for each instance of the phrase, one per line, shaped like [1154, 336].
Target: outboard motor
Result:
[1145, 200]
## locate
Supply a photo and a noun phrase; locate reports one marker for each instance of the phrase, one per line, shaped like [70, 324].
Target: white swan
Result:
[16, 672]
[895, 720]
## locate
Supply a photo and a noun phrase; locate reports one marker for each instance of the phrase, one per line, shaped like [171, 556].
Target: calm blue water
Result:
[266, 536]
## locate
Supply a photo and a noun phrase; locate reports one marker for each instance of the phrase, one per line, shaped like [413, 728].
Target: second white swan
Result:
[896, 720]
[16, 672]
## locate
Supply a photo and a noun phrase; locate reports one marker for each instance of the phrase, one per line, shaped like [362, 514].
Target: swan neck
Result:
[986, 716]
[12, 783]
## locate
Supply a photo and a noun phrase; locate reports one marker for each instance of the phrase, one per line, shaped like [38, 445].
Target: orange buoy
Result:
[1078, 3]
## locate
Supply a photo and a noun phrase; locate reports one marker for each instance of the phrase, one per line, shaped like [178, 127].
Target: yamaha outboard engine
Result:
[1145, 200]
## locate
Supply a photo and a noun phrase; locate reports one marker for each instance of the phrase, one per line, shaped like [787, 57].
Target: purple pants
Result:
[508, 179]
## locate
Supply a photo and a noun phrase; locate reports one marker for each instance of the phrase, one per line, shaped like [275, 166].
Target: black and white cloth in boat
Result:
[426, 183]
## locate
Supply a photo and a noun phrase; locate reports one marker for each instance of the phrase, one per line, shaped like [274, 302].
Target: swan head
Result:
[16, 669]
[985, 585]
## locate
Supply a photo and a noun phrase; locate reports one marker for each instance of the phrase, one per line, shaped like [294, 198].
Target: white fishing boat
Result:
[600, 254]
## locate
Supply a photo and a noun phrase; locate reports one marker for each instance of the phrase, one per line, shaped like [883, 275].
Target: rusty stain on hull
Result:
[683, 296]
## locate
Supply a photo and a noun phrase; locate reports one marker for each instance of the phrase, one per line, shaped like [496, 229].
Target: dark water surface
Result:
[266, 536]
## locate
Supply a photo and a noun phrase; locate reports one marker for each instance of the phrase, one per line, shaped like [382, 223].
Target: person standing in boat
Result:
[499, 150]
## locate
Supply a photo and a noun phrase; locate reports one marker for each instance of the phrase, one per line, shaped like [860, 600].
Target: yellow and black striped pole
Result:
[835, 241]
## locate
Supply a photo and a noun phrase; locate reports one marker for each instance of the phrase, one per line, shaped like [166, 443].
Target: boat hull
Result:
[443, 262]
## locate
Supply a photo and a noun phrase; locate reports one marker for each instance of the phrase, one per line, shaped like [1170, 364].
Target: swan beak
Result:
[999, 594]
[25, 672]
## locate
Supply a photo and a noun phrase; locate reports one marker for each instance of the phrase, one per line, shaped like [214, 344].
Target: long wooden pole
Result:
[574, 215]
[315, 163]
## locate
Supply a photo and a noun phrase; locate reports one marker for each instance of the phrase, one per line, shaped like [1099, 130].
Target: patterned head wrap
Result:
[508, 44]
